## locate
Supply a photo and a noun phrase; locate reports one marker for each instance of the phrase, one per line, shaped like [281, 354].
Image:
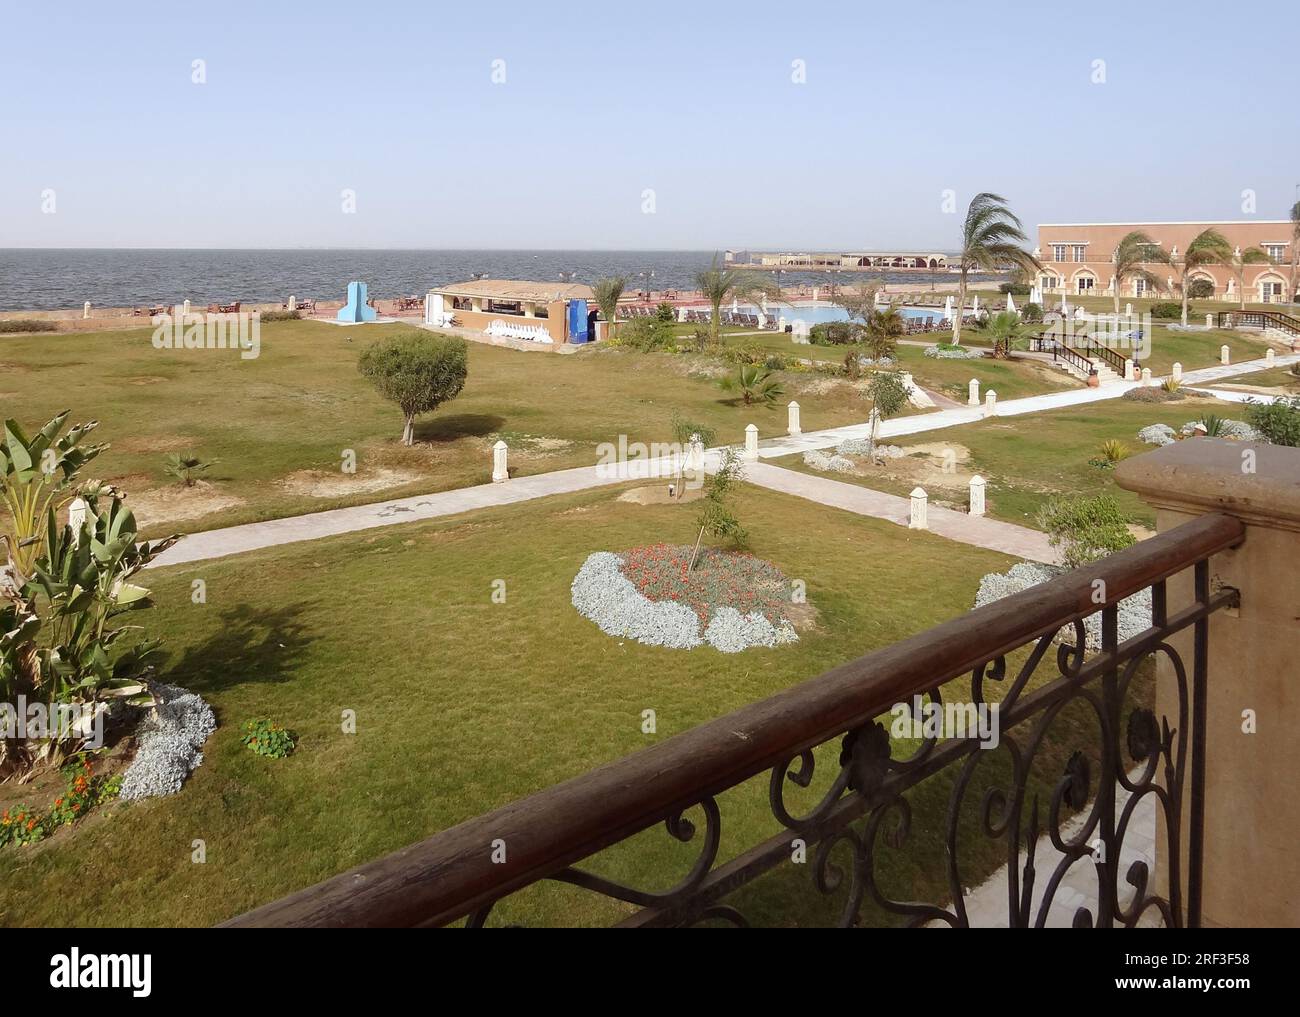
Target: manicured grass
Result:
[463, 705]
[280, 424]
[1029, 459]
[1282, 378]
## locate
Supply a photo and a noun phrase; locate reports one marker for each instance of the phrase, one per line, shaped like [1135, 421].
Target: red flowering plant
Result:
[662, 572]
[83, 791]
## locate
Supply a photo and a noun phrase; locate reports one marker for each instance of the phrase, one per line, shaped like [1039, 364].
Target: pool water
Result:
[817, 314]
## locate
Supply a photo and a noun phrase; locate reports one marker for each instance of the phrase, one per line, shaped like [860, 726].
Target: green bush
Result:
[267, 738]
[835, 333]
[1167, 309]
[746, 352]
[1085, 528]
[1200, 289]
[647, 335]
[280, 316]
[417, 370]
[27, 325]
[1014, 288]
[666, 312]
[1278, 421]
[1031, 313]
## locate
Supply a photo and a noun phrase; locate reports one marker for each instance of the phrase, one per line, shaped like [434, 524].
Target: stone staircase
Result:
[1105, 374]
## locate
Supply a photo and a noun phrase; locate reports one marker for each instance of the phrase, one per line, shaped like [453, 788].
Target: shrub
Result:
[666, 312]
[280, 316]
[1111, 452]
[267, 738]
[27, 325]
[187, 468]
[835, 333]
[1200, 289]
[1014, 288]
[647, 335]
[1032, 313]
[417, 370]
[1213, 424]
[1171, 385]
[745, 352]
[1167, 309]
[754, 384]
[1278, 421]
[1154, 395]
[1085, 528]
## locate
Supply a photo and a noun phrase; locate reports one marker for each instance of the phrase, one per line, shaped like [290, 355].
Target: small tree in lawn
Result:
[418, 370]
[1008, 333]
[888, 395]
[1085, 528]
[716, 517]
[608, 293]
[685, 432]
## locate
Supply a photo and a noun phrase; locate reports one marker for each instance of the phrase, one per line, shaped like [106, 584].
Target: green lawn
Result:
[1285, 380]
[279, 425]
[1028, 459]
[463, 705]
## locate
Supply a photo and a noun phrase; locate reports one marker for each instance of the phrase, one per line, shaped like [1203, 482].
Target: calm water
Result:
[819, 313]
[53, 279]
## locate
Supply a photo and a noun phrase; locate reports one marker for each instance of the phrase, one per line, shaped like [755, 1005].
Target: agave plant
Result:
[1114, 450]
[1214, 425]
[186, 468]
[754, 384]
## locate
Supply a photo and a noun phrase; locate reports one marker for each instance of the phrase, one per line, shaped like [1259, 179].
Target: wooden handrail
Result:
[452, 873]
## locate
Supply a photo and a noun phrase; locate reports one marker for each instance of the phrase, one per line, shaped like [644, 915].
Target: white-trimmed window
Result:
[1080, 252]
[1276, 252]
[1058, 251]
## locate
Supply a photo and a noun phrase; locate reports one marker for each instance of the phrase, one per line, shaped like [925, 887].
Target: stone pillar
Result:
[85, 309]
[1209, 321]
[917, 520]
[185, 308]
[500, 473]
[1269, 355]
[977, 485]
[793, 427]
[1224, 354]
[751, 441]
[1177, 373]
[292, 305]
[1128, 310]
[973, 392]
[1129, 374]
[1251, 870]
[1146, 377]
[991, 404]
[695, 454]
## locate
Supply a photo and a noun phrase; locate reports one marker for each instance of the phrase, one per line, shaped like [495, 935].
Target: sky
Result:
[703, 125]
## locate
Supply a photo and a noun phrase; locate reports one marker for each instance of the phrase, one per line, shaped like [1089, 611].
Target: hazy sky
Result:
[602, 102]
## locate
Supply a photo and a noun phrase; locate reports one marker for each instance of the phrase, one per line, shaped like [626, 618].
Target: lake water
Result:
[54, 279]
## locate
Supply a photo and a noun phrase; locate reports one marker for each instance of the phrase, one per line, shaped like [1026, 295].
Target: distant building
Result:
[851, 259]
[1077, 258]
[562, 309]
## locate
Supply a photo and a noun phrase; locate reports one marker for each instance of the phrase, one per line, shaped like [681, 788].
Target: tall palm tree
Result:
[608, 291]
[1238, 262]
[1209, 247]
[1295, 247]
[1134, 251]
[990, 242]
[718, 284]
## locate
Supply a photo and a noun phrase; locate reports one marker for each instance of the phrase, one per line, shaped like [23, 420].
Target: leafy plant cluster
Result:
[1278, 421]
[267, 738]
[83, 791]
[1085, 529]
[12, 325]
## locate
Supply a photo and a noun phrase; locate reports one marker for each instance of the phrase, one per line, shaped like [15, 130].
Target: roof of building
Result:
[518, 289]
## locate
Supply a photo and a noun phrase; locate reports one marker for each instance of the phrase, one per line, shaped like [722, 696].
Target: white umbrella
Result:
[947, 306]
[735, 307]
[1011, 304]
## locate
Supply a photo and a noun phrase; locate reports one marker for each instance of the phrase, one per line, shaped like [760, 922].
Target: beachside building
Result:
[563, 311]
[1077, 258]
[851, 259]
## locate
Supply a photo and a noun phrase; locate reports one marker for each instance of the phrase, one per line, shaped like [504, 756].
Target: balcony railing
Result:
[823, 742]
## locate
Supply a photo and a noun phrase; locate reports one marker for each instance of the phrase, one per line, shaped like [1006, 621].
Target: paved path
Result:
[981, 531]
[272, 533]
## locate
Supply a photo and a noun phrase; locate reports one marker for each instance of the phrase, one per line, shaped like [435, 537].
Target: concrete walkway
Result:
[272, 533]
[1019, 541]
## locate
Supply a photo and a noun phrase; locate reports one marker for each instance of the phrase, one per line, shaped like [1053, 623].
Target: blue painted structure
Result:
[578, 321]
[356, 309]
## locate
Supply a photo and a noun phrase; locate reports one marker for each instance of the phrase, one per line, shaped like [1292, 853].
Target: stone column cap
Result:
[1200, 475]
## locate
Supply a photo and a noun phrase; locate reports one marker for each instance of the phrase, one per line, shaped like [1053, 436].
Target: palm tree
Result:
[1007, 333]
[884, 326]
[1238, 262]
[1134, 251]
[1209, 247]
[755, 385]
[1295, 247]
[990, 242]
[608, 291]
[718, 284]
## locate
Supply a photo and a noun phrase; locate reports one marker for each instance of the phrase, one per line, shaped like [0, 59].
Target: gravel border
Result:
[170, 742]
[604, 595]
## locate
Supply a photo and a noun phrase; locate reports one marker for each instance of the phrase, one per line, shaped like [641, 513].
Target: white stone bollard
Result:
[1224, 354]
[1268, 355]
[1146, 377]
[500, 473]
[85, 309]
[695, 454]
[1177, 372]
[793, 427]
[1129, 370]
[973, 390]
[751, 441]
[991, 404]
[917, 521]
[1209, 321]
[977, 495]
[293, 303]
[1128, 310]
[185, 308]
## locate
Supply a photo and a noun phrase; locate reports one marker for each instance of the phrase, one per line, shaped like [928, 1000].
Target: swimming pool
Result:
[816, 314]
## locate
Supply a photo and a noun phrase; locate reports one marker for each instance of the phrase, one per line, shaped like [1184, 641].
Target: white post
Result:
[977, 495]
[975, 305]
[1146, 377]
[1224, 354]
[1129, 374]
[918, 520]
[1209, 321]
[814, 294]
[695, 454]
[751, 441]
[500, 473]
[780, 323]
[991, 404]
[973, 390]
[1268, 355]
[793, 427]
[1177, 373]
[185, 308]
[85, 309]
[293, 303]
[1128, 310]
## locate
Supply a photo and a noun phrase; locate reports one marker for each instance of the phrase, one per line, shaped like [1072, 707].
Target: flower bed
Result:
[950, 351]
[730, 601]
